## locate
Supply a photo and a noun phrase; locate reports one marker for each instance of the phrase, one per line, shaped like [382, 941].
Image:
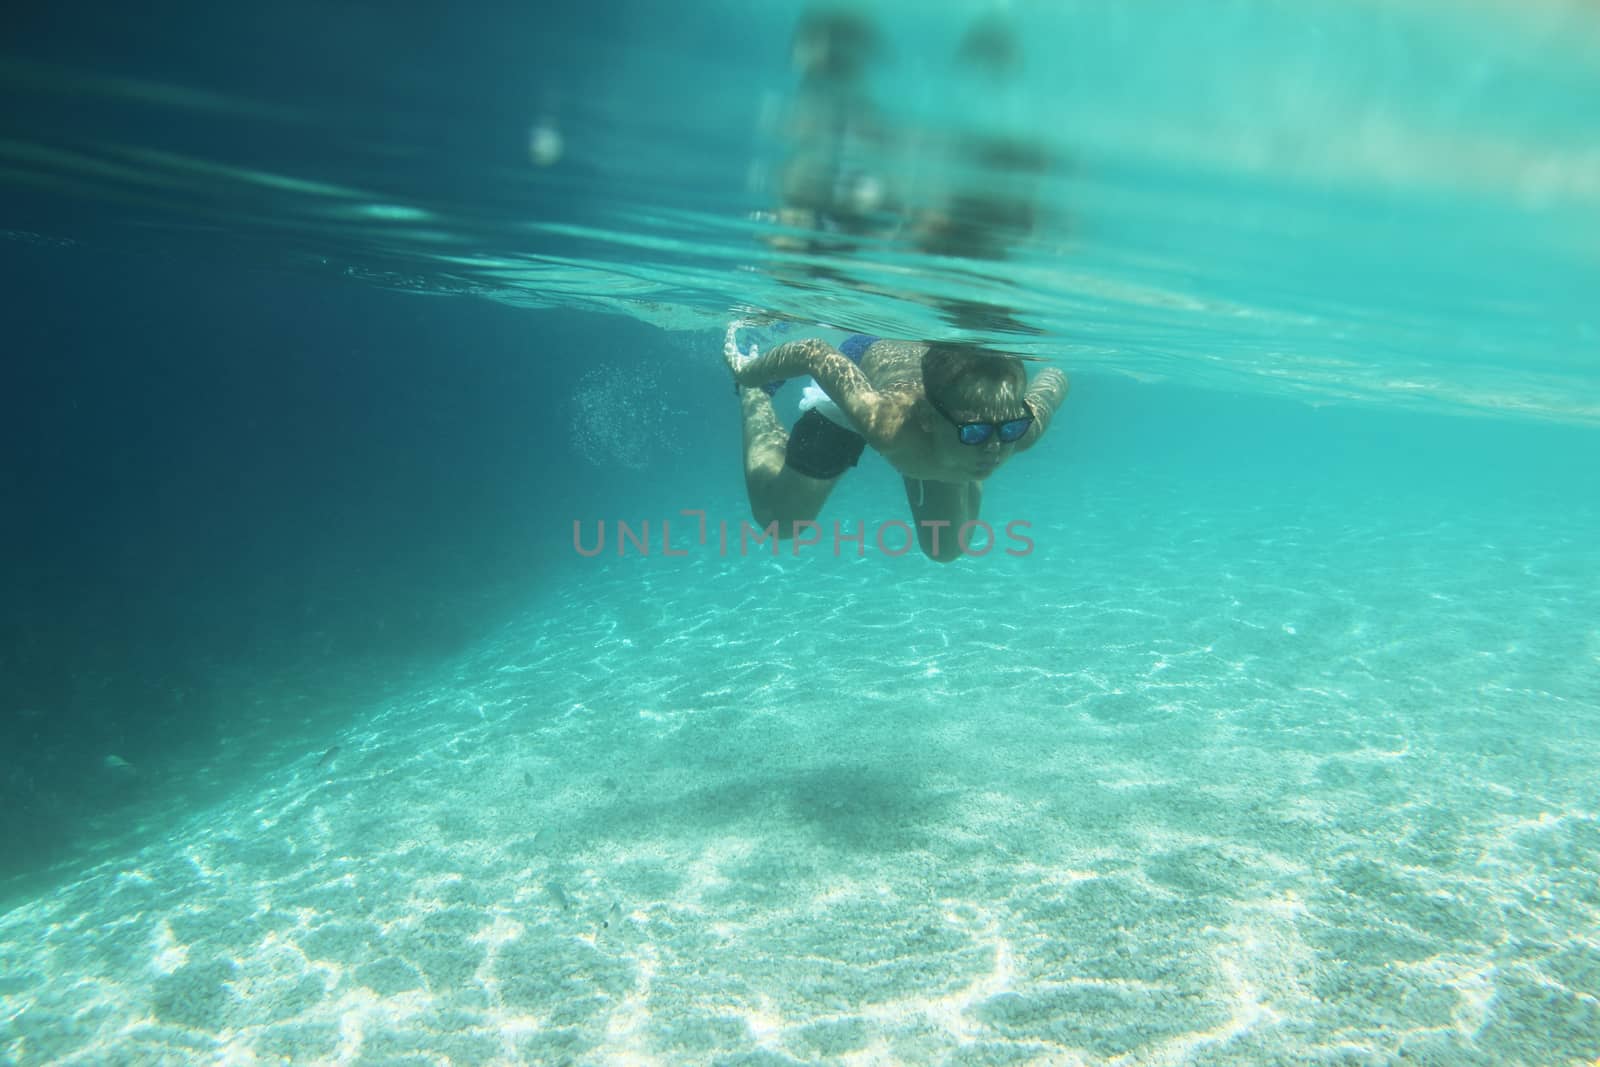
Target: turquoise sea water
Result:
[1278, 746]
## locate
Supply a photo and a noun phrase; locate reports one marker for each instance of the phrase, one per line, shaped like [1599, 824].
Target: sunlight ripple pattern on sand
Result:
[1264, 793]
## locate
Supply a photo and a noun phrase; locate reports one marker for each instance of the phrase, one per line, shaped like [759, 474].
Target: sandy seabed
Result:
[1265, 793]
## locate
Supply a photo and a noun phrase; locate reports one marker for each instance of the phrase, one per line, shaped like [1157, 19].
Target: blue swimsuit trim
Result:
[856, 344]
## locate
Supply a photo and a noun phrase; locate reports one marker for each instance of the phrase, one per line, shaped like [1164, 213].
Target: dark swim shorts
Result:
[821, 448]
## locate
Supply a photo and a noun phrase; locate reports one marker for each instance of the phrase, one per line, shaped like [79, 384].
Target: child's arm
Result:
[838, 375]
[1044, 398]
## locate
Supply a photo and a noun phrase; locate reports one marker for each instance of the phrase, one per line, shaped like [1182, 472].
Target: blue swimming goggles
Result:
[978, 433]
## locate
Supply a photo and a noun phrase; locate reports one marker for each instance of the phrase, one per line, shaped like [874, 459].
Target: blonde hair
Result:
[967, 378]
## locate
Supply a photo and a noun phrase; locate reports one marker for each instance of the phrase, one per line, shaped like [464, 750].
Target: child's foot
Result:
[730, 349]
[736, 360]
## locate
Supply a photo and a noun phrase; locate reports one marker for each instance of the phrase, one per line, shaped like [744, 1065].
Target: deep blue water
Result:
[225, 485]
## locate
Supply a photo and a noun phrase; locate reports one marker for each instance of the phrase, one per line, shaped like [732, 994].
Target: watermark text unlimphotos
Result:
[891, 538]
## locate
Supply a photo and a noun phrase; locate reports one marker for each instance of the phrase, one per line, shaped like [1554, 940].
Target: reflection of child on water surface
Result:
[846, 179]
[945, 416]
